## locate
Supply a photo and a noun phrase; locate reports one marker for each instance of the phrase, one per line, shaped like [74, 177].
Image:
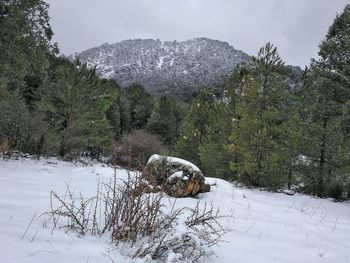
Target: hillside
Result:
[165, 67]
[266, 227]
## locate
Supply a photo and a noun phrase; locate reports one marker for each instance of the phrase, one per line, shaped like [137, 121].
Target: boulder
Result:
[175, 176]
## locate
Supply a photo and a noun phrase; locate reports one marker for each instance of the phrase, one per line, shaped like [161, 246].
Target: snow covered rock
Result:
[175, 176]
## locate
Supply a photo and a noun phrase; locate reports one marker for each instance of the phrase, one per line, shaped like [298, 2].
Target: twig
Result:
[30, 223]
[38, 251]
[31, 241]
[335, 223]
[251, 227]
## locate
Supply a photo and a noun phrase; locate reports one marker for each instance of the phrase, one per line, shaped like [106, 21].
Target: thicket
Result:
[138, 223]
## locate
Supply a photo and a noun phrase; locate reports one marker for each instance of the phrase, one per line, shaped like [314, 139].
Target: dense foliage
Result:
[262, 131]
[269, 133]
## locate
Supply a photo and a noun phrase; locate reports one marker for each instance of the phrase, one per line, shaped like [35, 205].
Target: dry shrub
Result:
[134, 149]
[139, 222]
[5, 146]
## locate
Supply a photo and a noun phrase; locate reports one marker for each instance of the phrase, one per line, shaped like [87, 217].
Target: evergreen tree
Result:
[22, 130]
[235, 86]
[257, 138]
[325, 98]
[125, 113]
[140, 105]
[25, 49]
[25, 35]
[76, 107]
[114, 112]
[163, 120]
[194, 127]
[214, 157]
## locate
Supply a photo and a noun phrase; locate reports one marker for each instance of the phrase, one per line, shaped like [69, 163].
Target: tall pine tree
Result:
[194, 127]
[326, 96]
[258, 135]
[76, 106]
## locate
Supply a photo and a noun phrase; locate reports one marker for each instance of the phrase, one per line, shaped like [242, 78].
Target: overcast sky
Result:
[296, 27]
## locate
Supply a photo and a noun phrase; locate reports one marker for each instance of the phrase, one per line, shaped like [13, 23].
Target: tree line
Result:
[265, 133]
[261, 131]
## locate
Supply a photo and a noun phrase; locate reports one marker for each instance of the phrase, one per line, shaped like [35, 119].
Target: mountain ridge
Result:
[166, 67]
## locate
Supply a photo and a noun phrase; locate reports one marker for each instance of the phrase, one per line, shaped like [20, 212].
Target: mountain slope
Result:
[165, 67]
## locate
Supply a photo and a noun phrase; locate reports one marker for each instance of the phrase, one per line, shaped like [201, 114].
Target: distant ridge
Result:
[165, 67]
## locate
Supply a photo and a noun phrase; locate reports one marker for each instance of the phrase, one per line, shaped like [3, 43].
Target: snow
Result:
[179, 174]
[267, 227]
[172, 62]
[156, 157]
[161, 61]
[142, 60]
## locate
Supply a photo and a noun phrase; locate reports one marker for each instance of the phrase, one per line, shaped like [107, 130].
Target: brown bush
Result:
[139, 220]
[134, 149]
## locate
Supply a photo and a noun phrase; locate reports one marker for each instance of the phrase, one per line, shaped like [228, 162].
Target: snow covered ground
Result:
[267, 227]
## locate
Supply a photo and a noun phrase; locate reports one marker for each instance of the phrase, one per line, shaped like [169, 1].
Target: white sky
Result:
[296, 27]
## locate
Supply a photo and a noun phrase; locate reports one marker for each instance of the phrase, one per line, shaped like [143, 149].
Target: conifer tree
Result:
[163, 120]
[325, 98]
[214, 157]
[140, 105]
[114, 112]
[194, 127]
[257, 138]
[125, 113]
[76, 106]
[25, 35]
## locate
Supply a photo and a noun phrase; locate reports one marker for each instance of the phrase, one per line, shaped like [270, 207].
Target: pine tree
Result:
[25, 49]
[194, 127]
[325, 98]
[214, 157]
[114, 111]
[163, 120]
[140, 105]
[76, 106]
[125, 113]
[25, 35]
[22, 130]
[257, 137]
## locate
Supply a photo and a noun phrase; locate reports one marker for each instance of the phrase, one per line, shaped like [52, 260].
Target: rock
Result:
[175, 176]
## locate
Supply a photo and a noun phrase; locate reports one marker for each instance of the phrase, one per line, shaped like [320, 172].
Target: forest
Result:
[260, 131]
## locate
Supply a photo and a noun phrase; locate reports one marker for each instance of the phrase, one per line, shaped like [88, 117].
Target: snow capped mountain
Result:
[165, 67]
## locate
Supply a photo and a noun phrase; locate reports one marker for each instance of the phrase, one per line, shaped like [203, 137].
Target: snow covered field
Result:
[267, 227]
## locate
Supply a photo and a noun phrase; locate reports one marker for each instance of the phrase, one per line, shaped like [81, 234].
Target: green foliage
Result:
[214, 157]
[76, 103]
[335, 49]
[25, 35]
[164, 120]
[22, 130]
[235, 86]
[194, 127]
[265, 130]
[325, 98]
[114, 112]
[125, 113]
[140, 105]
[258, 134]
